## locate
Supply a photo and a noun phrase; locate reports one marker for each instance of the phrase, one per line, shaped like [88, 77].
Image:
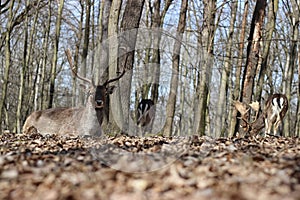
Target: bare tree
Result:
[205, 47]
[291, 61]
[221, 109]
[55, 49]
[233, 127]
[7, 58]
[175, 72]
[253, 51]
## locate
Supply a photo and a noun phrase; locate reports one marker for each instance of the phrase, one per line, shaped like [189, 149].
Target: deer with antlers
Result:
[273, 113]
[74, 120]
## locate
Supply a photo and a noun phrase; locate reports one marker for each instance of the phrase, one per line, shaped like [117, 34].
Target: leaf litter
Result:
[33, 166]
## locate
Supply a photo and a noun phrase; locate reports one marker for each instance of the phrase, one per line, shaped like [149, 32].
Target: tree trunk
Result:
[85, 48]
[236, 90]
[205, 42]
[55, 52]
[26, 63]
[253, 52]
[170, 110]
[43, 100]
[298, 102]
[273, 8]
[129, 25]
[114, 14]
[7, 60]
[75, 98]
[290, 65]
[221, 108]
[103, 49]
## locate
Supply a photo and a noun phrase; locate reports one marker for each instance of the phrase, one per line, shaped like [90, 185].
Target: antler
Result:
[69, 57]
[120, 76]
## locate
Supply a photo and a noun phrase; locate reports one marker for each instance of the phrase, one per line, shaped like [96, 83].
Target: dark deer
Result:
[74, 120]
[275, 109]
[145, 112]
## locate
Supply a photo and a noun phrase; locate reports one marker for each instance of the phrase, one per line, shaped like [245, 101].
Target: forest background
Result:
[223, 51]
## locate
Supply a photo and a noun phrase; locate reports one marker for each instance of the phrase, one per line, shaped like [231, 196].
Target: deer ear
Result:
[111, 89]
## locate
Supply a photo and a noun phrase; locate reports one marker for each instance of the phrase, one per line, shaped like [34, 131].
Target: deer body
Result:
[275, 109]
[77, 121]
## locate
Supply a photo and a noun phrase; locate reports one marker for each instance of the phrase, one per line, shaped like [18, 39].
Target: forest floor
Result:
[128, 167]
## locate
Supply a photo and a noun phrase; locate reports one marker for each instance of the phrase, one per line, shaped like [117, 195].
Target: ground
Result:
[128, 167]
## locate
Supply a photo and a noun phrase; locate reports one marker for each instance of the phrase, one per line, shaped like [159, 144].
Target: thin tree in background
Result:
[291, 62]
[29, 37]
[205, 52]
[85, 47]
[233, 127]
[221, 108]
[170, 110]
[46, 36]
[7, 59]
[55, 53]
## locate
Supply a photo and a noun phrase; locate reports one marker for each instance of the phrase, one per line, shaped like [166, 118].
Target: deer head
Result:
[145, 112]
[75, 120]
[275, 109]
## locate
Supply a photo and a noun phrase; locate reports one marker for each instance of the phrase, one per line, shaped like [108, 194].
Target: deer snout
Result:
[99, 103]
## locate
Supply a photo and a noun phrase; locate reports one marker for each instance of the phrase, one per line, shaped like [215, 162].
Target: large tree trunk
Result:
[129, 31]
[273, 7]
[55, 52]
[175, 70]
[221, 109]
[114, 14]
[253, 52]
[101, 70]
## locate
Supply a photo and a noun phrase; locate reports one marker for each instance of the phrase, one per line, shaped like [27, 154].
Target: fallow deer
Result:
[145, 112]
[275, 109]
[74, 120]
[273, 113]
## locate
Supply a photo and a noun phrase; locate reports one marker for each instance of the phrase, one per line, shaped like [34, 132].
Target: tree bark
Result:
[290, 65]
[170, 110]
[205, 42]
[85, 47]
[129, 31]
[221, 109]
[55, 52]
[234, 126]
[114, 15]
[43, 100]
[273, 8]
[253, 52]
[7, 59]
[26, 63]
